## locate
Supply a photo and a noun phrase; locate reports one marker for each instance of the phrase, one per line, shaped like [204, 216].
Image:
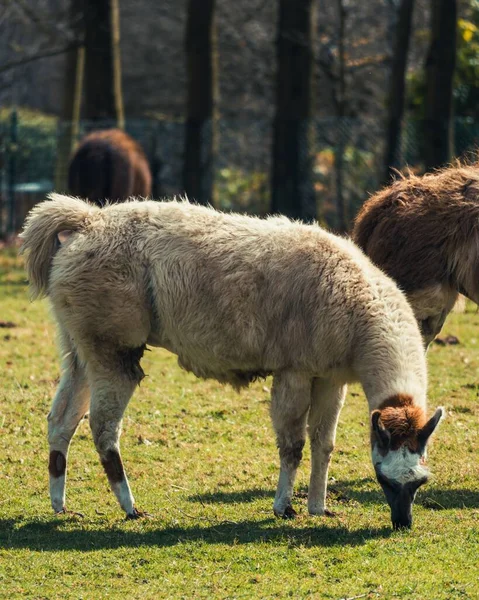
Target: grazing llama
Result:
[235, 297]
[424, 233]
[109, 166]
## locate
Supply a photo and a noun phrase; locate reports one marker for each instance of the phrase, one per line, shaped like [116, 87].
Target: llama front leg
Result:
[111, 390]
[290, 399]
[327, 400]
[69, 407]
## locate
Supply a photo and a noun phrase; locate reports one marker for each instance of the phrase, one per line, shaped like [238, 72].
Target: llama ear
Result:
[383, 436]
[430, 426]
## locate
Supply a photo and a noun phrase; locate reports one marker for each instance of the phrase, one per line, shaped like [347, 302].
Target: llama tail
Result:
[40, 235]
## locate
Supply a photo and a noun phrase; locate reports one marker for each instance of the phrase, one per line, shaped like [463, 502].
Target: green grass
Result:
[202, 460]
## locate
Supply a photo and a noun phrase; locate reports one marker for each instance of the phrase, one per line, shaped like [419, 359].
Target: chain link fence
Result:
[29, 141]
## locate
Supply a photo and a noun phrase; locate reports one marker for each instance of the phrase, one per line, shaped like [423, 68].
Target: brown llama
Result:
[109, 166]
[424, 233]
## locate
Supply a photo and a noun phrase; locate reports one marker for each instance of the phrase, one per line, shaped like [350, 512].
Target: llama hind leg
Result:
[327, 401]
[290, 400]
[69, 407]
[111, 390]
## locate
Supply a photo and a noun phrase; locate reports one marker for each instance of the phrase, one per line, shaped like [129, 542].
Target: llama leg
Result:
[290, 400]
[69, 407]
[326, 403]
[111, 390]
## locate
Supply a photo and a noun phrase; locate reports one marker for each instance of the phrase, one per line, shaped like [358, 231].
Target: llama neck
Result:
[393, 366]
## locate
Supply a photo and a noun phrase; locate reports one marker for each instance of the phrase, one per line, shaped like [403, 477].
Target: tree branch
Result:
[49, 29]
[28, 59]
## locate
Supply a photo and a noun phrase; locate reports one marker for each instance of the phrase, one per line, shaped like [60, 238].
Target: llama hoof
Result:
[137, 514]
[289, 513]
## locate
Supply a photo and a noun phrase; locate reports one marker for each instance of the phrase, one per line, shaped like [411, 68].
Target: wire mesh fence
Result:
[346, 160]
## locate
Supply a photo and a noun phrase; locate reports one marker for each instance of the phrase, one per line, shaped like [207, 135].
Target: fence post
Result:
[11, 172]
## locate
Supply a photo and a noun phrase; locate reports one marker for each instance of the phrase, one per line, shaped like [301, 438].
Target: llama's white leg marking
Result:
[291, 397]
[326, 403]
[115, 472]
[111, 391]
[69, 406]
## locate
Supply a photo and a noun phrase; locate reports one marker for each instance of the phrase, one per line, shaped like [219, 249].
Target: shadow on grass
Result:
[429, 497]
[232, 497]
[51, 537]
[355, 492]
[67, 534]
[444, 499]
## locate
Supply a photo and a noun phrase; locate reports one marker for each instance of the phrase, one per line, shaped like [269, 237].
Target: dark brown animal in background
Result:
[109, 166]
[424, 233]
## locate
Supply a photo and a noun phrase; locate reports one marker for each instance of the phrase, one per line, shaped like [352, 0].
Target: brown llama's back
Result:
[424, 233]
[415, 228]
[109, 165]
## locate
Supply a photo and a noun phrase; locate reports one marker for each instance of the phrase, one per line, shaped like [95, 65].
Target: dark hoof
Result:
[289, 513]
[138, 514]
[330, 513]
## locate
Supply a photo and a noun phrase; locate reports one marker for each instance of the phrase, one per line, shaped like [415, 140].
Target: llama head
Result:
[399, 436]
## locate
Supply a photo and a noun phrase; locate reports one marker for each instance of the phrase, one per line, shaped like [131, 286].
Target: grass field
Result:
[202, 460]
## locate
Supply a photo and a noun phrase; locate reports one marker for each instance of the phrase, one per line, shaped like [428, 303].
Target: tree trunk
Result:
[440, 64]
[103, 98]
[341, 213]
[201, 63]
[397, 86]
[292, 185]
[72, 95]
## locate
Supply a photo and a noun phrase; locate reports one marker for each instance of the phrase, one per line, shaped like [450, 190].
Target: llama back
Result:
[252, 294]
[424, 231]
[275, 286]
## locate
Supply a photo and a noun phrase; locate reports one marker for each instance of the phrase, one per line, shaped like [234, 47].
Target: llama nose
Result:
[402, 517]
[405, 523]
[401, 510]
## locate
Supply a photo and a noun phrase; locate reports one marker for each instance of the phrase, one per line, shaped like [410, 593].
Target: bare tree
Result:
[72, 96]
[341, 213]
[440, 65]
[292, 187]
[397, 86]
[103, 96]
[30, 33]
[201, 62]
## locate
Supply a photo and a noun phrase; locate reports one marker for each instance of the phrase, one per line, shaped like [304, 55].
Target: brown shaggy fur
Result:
[403, 420]
[424, 232]
[414, 228]
[109, 165]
